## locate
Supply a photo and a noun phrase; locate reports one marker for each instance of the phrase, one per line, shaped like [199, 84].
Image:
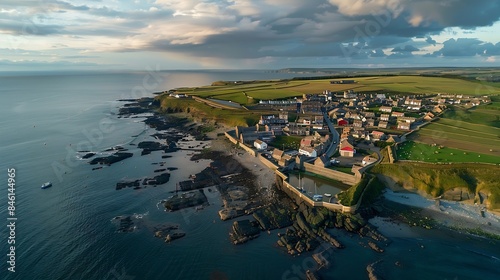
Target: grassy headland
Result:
[436, 179]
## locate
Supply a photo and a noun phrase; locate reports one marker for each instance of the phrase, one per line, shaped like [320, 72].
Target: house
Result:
[369, 114]
[382, 125]
[407, 119]
[180, 95]
[277, 154]
[308, 151]
[285, 160]
[311, 107]
[342, 122]
[346, 131]
[384, 117]
[370, 122]
[346, 149]
[439, 108]
[403, 126]
[241, 129]
[378, 135]
[413, 104]
[360, 134]
[385, 109]
[358, 123]
[276, 129]
[260, 145]
[304, 121]
[349, 94]
[380, 96]
[429, 116]
[337, 113]
[368, 160]
[294, 129]
[397, 114]
[306, 141]
[395, 139]
[272, 120]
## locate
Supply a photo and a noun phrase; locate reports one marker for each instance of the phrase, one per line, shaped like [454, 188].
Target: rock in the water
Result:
[185, 200]
[373, 273]
[116, 157]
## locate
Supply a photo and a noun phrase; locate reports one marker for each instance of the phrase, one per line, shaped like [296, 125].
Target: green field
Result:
[203, 113]
[410, 150]
[475, 130]
[258, 90]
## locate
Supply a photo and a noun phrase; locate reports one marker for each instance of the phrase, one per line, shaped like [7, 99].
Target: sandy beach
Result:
[449, 213]
[264, 176]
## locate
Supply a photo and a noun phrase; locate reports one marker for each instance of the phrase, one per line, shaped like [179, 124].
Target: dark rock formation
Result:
[116, 157]
[88, 155]
[373, 271]
[186, 200]
[127, 184]
[243, 231]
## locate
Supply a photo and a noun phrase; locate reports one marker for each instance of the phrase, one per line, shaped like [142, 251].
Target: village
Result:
[338, 135]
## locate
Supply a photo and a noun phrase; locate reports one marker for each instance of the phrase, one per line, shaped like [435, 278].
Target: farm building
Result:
[346, 149]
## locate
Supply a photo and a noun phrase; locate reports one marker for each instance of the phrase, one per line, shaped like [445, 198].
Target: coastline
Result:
[454, 215]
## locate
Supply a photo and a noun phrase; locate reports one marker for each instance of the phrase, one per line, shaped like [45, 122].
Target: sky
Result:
[247, 34]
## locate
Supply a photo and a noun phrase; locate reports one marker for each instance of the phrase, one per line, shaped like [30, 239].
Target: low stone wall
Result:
[390, 152]
[290, 189]
[267, 162]
[333, 174]
[231, 138]
[248, 149]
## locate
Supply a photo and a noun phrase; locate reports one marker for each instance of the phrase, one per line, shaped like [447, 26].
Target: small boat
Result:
[46, 185]
[328, 194]
[317, 197]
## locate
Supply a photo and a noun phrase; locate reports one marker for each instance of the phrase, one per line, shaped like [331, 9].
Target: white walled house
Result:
[260, 145]
[308, 151]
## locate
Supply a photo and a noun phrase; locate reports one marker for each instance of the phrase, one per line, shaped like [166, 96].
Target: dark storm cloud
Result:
[468, 47]
[355, 29]
[405, 49]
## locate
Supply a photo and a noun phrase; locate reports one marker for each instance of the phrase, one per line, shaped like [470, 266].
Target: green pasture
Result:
[393, 84]
[411, 150]
[289, 142]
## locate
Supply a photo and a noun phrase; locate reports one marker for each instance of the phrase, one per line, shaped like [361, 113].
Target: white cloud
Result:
[368, 7]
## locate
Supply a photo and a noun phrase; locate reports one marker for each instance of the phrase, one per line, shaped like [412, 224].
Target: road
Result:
[335, 136]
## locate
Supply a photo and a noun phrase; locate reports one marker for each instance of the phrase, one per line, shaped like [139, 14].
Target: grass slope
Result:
[435, 179]
[411, 150]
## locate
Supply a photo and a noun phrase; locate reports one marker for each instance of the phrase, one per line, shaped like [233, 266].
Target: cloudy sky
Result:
[247, 34]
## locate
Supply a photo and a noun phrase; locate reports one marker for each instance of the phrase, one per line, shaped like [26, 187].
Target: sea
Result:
[68, 231]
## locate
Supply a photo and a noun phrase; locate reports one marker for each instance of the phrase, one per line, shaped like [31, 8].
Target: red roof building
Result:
[342, 122]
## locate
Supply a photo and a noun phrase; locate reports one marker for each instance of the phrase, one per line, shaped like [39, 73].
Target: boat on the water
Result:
[46, 185]
[328, 194]
[317, 197]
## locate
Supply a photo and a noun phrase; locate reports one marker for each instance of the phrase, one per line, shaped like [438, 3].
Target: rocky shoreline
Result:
[253, 208]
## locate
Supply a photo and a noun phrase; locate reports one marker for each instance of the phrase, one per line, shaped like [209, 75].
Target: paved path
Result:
[336, 137]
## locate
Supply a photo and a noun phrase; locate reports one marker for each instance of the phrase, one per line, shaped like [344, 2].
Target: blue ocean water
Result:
[65, 232]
